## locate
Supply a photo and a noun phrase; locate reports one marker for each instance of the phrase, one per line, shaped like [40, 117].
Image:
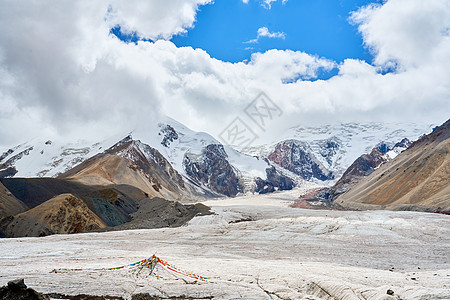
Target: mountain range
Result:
[317, 154]
[115, 183]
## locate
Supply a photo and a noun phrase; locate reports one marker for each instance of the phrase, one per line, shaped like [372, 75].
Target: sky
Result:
[89, 69]
[228, 30]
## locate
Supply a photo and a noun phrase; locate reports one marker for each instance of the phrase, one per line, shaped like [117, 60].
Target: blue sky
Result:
[319, 27]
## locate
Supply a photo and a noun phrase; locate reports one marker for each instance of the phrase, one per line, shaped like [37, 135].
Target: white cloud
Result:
[155, 19]
[63, 70]
[267, 3]
[264, 32]
[404, 31]
[64, 74]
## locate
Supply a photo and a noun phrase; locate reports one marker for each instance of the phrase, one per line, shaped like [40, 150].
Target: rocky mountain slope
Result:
[136, 164]
[213, 170]
[297, 157]
[365, 165]
[124, 184]
[362, 167]
[322, 154]
[9, 205]
[52, 205]
[418, 177]
[46, 158]
[64, 213]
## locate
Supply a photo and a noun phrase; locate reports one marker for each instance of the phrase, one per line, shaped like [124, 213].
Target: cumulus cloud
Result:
[62, 72]
[154, 19]
[264, 32]
[404, 32]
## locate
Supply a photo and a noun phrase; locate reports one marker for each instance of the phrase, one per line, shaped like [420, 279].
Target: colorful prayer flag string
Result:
[150, 263]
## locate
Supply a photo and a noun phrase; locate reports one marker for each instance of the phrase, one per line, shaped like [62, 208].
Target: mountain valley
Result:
[116, 184]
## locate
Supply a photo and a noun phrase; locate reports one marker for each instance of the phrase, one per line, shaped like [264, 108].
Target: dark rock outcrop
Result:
[159, 213]
[213, 170]
[274, 181]
[329, 148]
[405, 143]
[6, 154]
[296, 157]
[17, 290]
[7, 168]
[169, 135]
[8, 172]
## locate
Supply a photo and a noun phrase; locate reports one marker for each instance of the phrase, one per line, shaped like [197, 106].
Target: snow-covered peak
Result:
[174, 140]
[331, 148]
[49, 158]
[337, 146]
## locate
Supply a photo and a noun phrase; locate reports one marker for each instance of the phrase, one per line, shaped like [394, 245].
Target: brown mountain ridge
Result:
[417, 179]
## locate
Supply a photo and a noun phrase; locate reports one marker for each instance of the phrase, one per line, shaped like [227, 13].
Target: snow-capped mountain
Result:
[362, 167]
[203, 164]
[197, 162]
[176, 142]
[47, 158]
[323, 153]
[202, 159]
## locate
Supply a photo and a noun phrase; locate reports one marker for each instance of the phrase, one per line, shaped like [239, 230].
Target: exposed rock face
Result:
[213, 170]
[111, 205]
[418, 177]
[274, 181]
[153, 155]
[8, 172]
[6, 154]
[329, 148]
[169, 135]
[17, 290]
[296, 157]
[7, 168]
[405, 143]
[65, 213]
[366, 164]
